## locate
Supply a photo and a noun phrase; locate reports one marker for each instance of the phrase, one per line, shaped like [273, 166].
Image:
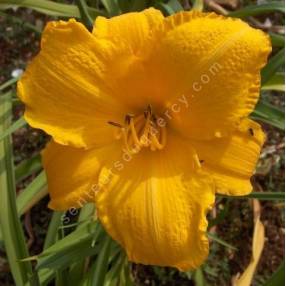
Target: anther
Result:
[154, 118]
[127, 119]
[139, 131]
[115, 124]
[149, 109]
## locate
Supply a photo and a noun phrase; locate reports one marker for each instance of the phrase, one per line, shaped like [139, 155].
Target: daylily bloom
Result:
[149, 118]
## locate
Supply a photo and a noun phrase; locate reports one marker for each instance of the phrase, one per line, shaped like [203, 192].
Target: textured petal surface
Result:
[155, 205]
[215, 63]
[232, 161]
[135, 34]
[133, 30]
[138, 59]
[72, 173]
[66, 90]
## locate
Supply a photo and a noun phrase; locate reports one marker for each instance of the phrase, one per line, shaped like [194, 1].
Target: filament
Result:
[141, 131]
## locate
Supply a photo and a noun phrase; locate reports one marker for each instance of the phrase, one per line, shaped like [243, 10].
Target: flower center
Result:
[142, 131]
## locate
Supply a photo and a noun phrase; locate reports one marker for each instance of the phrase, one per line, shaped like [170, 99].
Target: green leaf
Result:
[220, 241]
[268, 196]
[99, 267]
[169, 8]
[35, 191]
[74, 247]
[61, 278]
[112, 7]
[16, 125]
[27, 167]
[175, 5]
[84, 13]
[44, 277]
[9, 82]
[12, 231]
[254, 10]
[277, 40]
[199, 277]
[276, 82]
[278, 278]
[270, 114]
[138, 5]
[198, 5]
[126, 276]
[53, 228]
[273, 66]
[113, 276]
[49, 7]
[86, 212]
[76, 271]
[124, 5]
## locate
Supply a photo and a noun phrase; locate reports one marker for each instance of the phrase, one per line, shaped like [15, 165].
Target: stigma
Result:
[141, 131]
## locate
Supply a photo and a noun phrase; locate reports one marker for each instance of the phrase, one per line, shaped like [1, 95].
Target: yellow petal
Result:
[215, 63]
[257, 247]
[154, 204]
[134, 33]
[65, 88]
[131, 29]
[72, 173]
[232, 160]
[258, 238]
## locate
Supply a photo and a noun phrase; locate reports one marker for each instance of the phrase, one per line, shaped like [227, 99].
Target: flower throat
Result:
[141, 131]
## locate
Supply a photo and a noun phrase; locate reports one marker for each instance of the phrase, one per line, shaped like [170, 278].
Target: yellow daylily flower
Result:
[148, 117]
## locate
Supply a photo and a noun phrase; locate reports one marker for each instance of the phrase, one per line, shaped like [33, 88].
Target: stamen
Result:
[154, 118]
[144, 137]
[156, 142]
[197, 161]
[128, 118]
[115, 124]
[125, 140]
[149, 109]
[141, 131]
[134, 133]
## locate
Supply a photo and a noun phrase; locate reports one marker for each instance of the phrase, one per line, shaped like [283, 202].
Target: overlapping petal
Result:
[72, 173]
[139, 59]
[155, 206]
[215, 63]
[231, 161]
[67, 90]
[133, 30]
[136, 34]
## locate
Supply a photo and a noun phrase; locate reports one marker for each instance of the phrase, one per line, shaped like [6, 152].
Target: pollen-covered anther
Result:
[141, 131]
